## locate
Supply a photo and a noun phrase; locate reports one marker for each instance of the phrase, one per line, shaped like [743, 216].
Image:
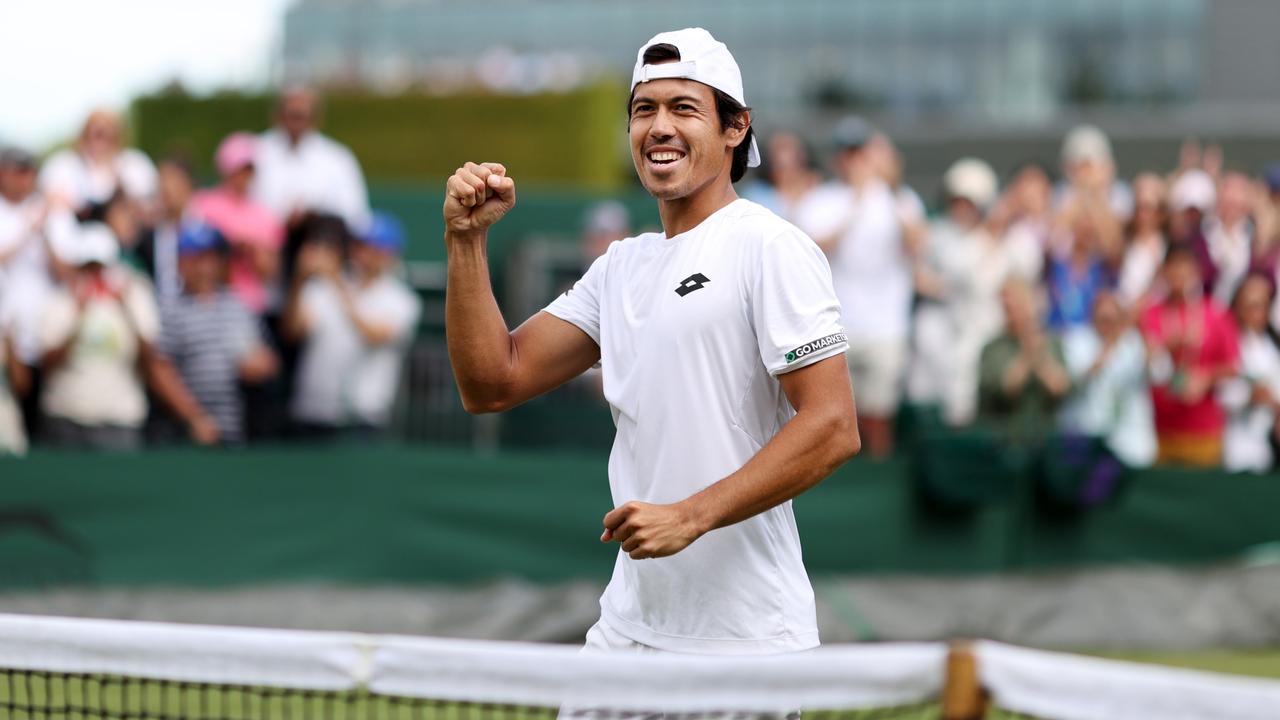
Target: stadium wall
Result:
[400, 514]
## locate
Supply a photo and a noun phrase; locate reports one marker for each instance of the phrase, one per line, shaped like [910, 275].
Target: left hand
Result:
[650, 531]
[1197, 387]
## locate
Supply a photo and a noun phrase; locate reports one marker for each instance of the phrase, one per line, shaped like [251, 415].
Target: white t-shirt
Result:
[693, 331]
[1246, 441]
[1114, 403]
[99, 384]
[340, 378]
[318, 174]
[869, 266]
[67, 175]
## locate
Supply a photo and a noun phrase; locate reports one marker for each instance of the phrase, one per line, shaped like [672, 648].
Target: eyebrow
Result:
[676, 99]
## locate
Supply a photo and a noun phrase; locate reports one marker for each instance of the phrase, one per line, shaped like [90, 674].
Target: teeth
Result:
[664, 156]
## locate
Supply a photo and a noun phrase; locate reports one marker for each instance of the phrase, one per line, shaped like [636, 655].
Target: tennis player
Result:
[723, 361]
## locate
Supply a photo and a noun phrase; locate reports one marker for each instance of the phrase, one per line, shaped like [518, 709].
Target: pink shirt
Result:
[245, 223]
[1209, 341]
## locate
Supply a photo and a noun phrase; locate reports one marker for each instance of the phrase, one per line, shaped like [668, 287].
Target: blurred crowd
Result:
[138, 308]
[1067, 302]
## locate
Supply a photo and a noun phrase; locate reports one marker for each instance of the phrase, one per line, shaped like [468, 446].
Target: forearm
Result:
[807, 449]
[163, 379]
[371, 332]
[480, 346]
[293, 327]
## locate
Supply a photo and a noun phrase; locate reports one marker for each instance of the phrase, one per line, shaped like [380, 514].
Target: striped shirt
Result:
[207, 338]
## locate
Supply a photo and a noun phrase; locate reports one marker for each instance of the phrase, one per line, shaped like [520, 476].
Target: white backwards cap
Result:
[702, 59]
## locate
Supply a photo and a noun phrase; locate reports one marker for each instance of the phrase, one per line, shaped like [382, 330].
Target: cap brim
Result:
[753, 154]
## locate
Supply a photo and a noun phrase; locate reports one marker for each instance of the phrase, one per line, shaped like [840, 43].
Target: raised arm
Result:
[822, 436]
[496, 369]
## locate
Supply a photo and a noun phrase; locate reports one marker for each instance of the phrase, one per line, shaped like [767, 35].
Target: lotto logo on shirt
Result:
[814, 346]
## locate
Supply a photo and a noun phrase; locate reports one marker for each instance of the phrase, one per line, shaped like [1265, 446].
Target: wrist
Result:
[698, 514]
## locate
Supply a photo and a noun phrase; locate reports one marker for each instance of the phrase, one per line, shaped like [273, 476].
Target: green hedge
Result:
[575, 138]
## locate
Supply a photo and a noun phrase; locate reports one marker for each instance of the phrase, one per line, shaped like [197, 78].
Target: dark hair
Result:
[728, 110]
[1181, 251]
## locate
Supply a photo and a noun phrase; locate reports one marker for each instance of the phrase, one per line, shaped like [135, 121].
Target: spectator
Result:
[1237, 235]
[97, 337]
[911, 211]
[1252, 398]
[1023, 378]
[25, 281]
[208, 334]
[855, 221]
[1023, 216]
[300, 171]
[15, 381]
[1145, 243]
[255, 233]
[157, 251]
[606, 222]
[1110, 400]
[958, 279]
[789, 176]
[1192, 197]
[1191, 347]
[98, 167]
[1074, 280]
[353, 332]
[1089, 170]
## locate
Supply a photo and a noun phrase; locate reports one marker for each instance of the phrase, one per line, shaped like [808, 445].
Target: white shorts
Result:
[602, 638]
[876, 370]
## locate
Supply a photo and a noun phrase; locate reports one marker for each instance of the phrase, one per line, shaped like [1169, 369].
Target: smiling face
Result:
[677, 143]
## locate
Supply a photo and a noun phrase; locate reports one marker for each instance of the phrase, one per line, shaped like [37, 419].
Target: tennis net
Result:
[89, 669]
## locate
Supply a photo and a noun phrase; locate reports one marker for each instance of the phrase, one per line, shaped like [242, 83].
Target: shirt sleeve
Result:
[141, 304]
[580, 304]
[401, 312]
[57, 322]
[794, 307]
[824, 212]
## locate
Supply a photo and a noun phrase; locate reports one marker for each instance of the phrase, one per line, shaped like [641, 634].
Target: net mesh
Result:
[39, 694]
[89, 669]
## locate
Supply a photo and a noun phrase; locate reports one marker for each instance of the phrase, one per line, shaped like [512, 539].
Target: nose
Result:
[662, 128]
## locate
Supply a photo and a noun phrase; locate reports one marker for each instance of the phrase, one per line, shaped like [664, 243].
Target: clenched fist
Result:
[477, 196]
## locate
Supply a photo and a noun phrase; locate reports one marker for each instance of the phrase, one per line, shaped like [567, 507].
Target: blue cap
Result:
[385, 232]
[195, 237]
[1272, 177]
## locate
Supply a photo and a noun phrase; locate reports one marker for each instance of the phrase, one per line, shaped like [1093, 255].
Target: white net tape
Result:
[1070, 687]
[477, 672]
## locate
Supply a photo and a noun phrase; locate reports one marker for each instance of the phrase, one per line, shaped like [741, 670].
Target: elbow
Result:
[484, 403]
[843, 437]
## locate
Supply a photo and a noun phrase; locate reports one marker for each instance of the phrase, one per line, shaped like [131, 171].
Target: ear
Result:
[737, 132]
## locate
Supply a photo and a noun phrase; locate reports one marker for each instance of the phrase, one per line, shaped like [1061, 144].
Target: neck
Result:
[683, 214]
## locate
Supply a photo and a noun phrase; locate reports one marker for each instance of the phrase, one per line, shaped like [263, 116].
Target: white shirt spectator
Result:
[1025, 244]
[1246, 443]
[950, 334]
[99, 384]
[1138, 271]
[869, 265]
[22, 250]
[67, 176]
[1112, 403]
[341, 380]
[13, 436]
[1231, 249]
[318, 174]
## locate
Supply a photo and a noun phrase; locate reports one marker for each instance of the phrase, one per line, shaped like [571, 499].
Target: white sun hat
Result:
[973, 180]
[702, 59]
[89, 243]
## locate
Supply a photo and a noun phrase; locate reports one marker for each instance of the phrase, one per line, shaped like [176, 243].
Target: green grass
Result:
[1262, 662]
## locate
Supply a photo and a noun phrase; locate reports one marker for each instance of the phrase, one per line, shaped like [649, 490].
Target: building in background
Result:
[933, 71]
